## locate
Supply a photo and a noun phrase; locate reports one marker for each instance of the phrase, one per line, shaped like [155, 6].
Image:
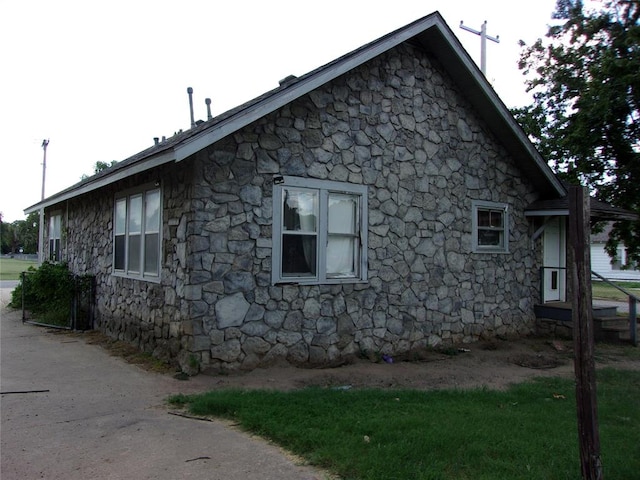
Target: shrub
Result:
[48, 293]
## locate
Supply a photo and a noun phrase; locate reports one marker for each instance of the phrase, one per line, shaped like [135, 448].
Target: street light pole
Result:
[45, 144]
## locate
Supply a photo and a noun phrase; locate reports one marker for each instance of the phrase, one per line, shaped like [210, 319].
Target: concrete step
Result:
[612, 329]
[610, 322]
[617, 336]
[562, 311]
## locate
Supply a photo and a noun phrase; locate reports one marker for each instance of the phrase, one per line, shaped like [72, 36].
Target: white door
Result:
[554, 260]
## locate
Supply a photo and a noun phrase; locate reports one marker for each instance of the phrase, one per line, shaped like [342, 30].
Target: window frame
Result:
[324, 188]
[481, 205]
[55, 236]
[126, 231]
[619, 263]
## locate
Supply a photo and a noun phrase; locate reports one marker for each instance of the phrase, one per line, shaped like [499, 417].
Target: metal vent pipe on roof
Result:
[287, 79]
[208, 102]
[190, 92]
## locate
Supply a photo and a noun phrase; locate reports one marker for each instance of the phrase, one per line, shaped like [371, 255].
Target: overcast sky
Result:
[101, 79]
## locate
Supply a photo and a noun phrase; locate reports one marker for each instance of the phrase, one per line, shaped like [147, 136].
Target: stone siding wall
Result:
[400, 127]
[547, 327]
[152, 316]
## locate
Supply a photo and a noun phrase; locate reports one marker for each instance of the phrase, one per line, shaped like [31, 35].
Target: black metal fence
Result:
[75, 311]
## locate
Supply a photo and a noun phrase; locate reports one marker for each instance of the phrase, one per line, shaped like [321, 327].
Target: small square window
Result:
[490, 227]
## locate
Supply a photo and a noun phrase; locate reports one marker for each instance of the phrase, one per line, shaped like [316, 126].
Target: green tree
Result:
[585, 116]
[25, 234]
[99, 167]
[20, 234]
[6, 237]
[29, 233]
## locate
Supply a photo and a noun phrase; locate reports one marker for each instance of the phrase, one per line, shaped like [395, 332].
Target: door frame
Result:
[554, 260]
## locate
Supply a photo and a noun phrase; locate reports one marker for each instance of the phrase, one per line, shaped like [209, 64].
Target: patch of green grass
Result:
[528, 432]
[10, 268]
[604, 291]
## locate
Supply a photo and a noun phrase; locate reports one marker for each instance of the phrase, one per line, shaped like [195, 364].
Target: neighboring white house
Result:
[602, 263]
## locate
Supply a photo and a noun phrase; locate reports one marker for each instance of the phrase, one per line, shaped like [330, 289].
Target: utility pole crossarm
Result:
[483, 42]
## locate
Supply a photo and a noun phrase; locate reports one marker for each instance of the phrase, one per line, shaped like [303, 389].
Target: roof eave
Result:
[94, 184]
[547, 213]
[596, 215]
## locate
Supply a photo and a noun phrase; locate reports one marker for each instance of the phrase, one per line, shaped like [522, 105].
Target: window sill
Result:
[482, 250]
[333, 281]
[150, 279]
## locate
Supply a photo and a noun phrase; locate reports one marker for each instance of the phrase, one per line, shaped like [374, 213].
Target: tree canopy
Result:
[585, 81]
[99, 167]
[20, 234]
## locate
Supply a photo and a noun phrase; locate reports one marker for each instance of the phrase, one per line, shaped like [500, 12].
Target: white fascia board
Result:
[137, 167]
[547, 213]
[287, 95]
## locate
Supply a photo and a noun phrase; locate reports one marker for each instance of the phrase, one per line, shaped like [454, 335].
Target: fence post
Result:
[583, 338]
[23, 276]
[633, 321]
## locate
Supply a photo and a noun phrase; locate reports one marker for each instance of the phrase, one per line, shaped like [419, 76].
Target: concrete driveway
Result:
[71, 411]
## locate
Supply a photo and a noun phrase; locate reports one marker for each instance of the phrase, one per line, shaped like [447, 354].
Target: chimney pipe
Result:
[208, 102]
[156, 140]
[190, 92]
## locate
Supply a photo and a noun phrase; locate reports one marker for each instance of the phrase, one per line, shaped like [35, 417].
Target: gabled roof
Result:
[430, 33]
[602, 236]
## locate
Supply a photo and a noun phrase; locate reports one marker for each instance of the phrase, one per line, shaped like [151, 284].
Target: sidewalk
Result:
[6, 286]
[71, 411]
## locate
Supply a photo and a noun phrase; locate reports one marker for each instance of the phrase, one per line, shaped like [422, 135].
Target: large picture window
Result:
[136, 245]
[319, 231]
[490, 225]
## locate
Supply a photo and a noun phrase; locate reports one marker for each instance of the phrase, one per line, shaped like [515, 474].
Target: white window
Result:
[55, 235]
[490, 227]
[319, 231]
[619, 261]
[136, 244]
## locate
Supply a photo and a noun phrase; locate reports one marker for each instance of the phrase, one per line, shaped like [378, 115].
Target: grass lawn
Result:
[528, 432]
[10, 268]
[603, 291]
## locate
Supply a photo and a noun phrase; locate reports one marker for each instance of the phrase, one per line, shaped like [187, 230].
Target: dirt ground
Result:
[495, 364]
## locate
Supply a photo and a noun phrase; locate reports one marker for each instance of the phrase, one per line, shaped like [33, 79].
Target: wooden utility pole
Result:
[483, 43]
[582, 316]
[45, 144]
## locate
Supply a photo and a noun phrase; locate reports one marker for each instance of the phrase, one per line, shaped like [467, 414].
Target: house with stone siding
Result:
[380, 204]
